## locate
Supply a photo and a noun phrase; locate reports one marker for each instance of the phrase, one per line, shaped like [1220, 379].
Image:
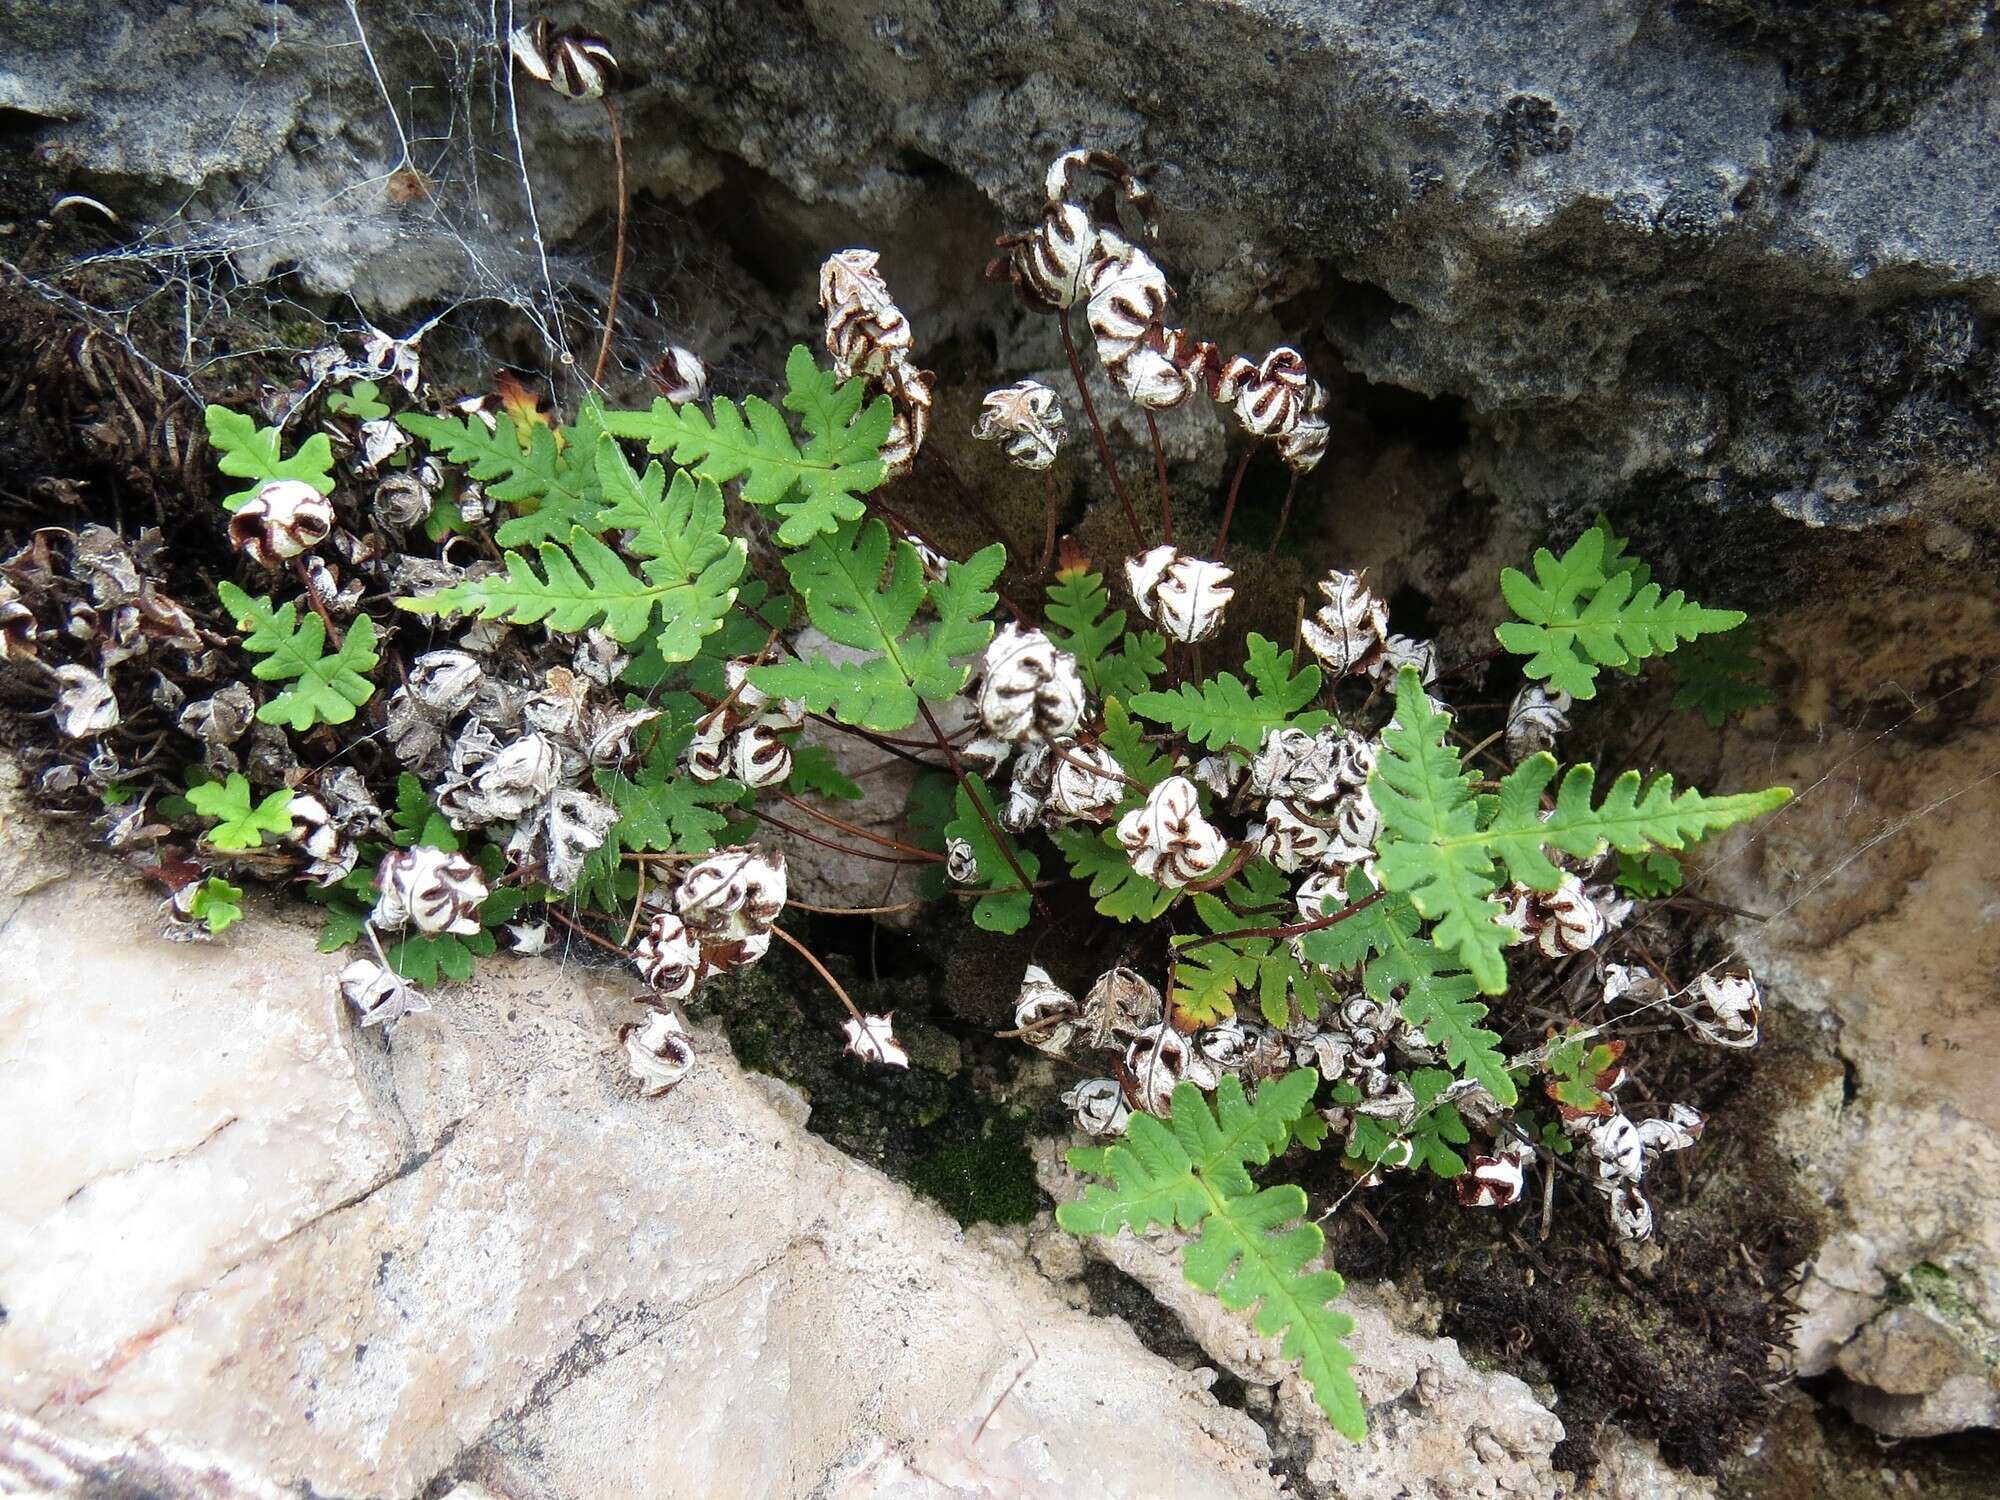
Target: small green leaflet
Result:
[657, 810]
[216, 905]
[814, 489]
[241, 825]
[362, 401]
[1007, 904]
[1207, 976]
[1136, 757]
[687, 573]
[814, 773]
[1575, 1066]
[416, 819]
[1575, 617]
[1082, 622]
[1432, 1132]
[327, 688]
[1222, 711]
[851, 598]
[560, 482]
[1430, 849]
[1649, 876]
[252, 452]
[1719, 675]
[1255, 1244]
[1121, 892]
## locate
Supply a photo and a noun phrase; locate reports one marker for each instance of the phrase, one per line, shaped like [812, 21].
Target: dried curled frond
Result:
[1184, 596]
[658, 1050]
[1168, 840]
[1026, 419]
[431, 889]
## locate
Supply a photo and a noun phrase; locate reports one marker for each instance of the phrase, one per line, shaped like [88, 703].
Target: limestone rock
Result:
[245, 1249]
[1437, 1428]
[1701, 253]
[1884, 944]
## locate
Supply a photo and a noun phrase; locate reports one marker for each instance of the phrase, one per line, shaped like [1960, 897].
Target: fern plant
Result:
[1307, 869]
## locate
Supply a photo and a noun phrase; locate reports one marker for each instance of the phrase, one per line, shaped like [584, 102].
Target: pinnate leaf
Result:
[1255, 1245]
[1224, 711]
[255, 453]
[327, 687]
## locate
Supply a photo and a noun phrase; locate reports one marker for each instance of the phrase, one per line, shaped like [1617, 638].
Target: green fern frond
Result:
[1120, 892]
[1429, 849]
[1592, 608]
[1082, 622]
[239, 823]
[1431, 1134]
[1191, 1172]
[328, 688]
[1135, 755]
[1443, 847]
[1719, 675]
[1406, 969]
[1209, 975]
[815, 489]
[659, 809]
[557, 478]
[687, 571]
[1223, 711]
[252, 452]
[1007, 904]
[864, 591]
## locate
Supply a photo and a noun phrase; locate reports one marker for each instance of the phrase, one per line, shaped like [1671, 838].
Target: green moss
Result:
[987, 1178]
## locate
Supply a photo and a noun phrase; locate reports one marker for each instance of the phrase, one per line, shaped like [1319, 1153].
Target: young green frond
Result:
[1409, 970]
[1114, 664]
[1209, 975]
[1190, 1171]
[687, 573]
[1593, 608]
[240, 825]
[327, 687]
[1007, 904]
[216, 904]
[658, 809]
[1120, 892]
[1719, 675]
[1223, 711]
[864, 590]
[1432, 1132]
[253, 452]
[815, 489]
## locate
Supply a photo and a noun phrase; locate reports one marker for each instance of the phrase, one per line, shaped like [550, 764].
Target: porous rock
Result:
[1697, 253]
[247, 1250]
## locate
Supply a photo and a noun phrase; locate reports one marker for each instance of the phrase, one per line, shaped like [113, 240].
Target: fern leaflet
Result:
[1592, 608]
[1191, 1172]
[1443, 847]
[252, 452]
[687, 572]
[523, 465]
[327, 688]
[854, 602]
[1007, 904]
[1121, 892]
[1208, 975]
[814, 489]
[1223, 711]
[1084, 624]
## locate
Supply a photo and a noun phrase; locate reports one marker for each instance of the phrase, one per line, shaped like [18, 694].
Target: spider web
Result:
[434, 200]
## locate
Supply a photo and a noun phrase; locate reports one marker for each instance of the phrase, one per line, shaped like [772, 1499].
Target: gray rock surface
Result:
[246, 1251]
[1733, 252]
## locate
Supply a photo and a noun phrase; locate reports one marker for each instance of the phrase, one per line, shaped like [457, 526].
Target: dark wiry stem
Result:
[821, 969]
[812, 838]
[861, 833]
[1097, 427]
[1048, 524]
[1160, 465]
[318, 604]
[1284, 516]
[618, 251]
[1292, 930]
[1229, 506]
